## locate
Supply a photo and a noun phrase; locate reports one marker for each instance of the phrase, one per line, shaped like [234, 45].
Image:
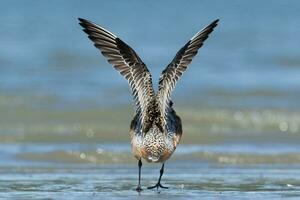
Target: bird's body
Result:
[156, 128]
[155, 145]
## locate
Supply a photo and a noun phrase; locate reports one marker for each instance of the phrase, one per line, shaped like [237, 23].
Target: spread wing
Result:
[175, 69]
[126, 61]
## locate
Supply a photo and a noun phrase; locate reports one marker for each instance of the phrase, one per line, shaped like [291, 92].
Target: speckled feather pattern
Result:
[156, 145]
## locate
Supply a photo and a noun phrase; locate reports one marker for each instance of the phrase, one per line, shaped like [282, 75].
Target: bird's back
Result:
[159, 141]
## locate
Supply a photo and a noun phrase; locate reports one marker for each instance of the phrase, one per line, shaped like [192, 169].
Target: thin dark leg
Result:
[139, 188]
[157, 185]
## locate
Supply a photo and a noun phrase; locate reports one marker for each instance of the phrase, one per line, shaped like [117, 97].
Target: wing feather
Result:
[176, 68]
[126, 61]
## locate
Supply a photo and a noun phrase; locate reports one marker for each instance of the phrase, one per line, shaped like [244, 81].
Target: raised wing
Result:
[175, 69]
[126, 61]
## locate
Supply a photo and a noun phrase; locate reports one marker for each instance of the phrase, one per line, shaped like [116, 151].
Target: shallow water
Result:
[108, 171]
[185, 180]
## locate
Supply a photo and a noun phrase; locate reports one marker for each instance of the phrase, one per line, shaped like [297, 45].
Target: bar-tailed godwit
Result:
[156, 128]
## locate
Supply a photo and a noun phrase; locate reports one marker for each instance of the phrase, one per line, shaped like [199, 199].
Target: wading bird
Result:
[156, 128]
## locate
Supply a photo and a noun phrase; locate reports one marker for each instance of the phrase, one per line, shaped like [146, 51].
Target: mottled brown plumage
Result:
[156, 129]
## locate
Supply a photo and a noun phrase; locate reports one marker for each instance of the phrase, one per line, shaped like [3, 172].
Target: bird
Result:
[155, 129]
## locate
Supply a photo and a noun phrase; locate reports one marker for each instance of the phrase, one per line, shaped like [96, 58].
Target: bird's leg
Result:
[139, 188]
[157, 185]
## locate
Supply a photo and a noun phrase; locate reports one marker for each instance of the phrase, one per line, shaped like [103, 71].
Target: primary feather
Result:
[175, 69]
[126, 61]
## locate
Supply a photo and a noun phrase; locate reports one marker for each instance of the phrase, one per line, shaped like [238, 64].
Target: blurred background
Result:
[63, 106]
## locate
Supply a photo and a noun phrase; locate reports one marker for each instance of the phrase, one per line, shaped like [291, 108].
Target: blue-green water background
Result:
[254, 49]
[64, 111]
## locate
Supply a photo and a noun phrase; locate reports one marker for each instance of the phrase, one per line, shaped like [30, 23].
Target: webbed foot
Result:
[157, 185]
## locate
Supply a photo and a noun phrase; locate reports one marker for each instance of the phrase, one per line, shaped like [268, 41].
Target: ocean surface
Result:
[65, 113]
